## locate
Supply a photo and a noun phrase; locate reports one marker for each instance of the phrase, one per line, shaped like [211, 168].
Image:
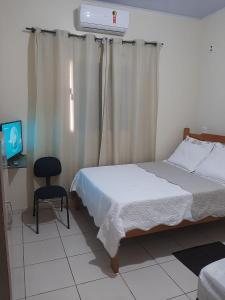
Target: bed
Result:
[211, 283]
[137, 199]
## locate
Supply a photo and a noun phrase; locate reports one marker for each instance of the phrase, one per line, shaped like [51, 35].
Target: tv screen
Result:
[12, 132]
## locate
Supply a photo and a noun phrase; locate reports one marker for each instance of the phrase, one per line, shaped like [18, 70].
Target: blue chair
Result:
[48, 167]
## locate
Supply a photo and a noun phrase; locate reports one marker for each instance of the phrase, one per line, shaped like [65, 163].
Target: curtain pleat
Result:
[67, 103]
[130, 103]
[96, 103]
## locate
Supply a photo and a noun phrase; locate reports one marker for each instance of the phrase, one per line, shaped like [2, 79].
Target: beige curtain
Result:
[93, 103]
[129, 96]
[67, 101]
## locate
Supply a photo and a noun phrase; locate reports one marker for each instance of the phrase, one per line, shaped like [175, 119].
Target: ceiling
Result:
[190, 8]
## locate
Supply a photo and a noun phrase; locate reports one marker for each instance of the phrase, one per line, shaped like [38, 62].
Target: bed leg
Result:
[76, 200]
[77, 205]
[115, 264]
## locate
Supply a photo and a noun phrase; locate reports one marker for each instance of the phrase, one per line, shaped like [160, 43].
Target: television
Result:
[12, 132]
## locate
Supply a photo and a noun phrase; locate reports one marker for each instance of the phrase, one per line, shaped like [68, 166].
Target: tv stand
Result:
[18, 162]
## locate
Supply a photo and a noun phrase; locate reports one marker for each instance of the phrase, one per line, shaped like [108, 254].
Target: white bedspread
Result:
[125, 197]
[211, 284]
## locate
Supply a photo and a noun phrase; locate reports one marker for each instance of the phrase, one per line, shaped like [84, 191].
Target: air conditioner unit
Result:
[102, 19]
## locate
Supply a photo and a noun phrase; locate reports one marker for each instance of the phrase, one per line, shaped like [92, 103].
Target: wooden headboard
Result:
[204, 136]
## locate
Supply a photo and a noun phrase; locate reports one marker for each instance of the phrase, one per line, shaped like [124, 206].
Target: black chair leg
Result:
[34, 205]
[37, 216]
[67, 208]
[62, 204]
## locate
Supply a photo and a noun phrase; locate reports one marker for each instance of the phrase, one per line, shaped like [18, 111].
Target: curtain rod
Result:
[32, 29]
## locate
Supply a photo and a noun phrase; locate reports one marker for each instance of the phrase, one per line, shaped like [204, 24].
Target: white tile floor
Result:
[72, 264]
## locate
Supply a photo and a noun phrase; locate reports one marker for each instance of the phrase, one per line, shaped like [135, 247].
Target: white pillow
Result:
[213, 166]
[190, 153]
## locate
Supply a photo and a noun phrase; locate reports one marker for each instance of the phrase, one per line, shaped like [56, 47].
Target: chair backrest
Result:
[47, 167]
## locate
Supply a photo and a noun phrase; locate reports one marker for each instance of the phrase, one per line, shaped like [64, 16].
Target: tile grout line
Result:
[25, 290]
[59, 237]
[68, 261]
[174, 298]
[152, 256]
[157, 264]
[70, 234]
[194, 245]
[191, 292]
[180, 245]
[105, 277]
[24, 266]
[60, 258]
[155, 259]
[124, 281]
[30, 228]
[148, 252]
[33, 242]
[97, 250]
[45, 261]
[43, 293]
[83, 253]
[91, 251]
[120, 274]
[172, 279]
[79, 233]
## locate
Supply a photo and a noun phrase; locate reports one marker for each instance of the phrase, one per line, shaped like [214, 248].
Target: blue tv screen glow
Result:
[12, 138]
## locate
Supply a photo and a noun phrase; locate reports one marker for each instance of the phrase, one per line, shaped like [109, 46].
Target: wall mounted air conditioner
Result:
[102, 19]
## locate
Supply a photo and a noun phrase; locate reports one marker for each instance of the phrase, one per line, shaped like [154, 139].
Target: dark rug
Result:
[198, 257]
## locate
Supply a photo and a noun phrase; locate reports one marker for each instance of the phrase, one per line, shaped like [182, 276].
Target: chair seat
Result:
[50, 192]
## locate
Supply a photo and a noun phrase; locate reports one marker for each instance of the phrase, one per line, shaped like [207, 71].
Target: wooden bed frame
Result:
[160, 228]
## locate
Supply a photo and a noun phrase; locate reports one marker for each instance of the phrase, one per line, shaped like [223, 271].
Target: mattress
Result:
[125, 197]
[208, 195]
[211, 284]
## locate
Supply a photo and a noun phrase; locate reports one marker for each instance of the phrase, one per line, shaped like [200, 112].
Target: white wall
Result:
[212, 76]
[178, 71]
